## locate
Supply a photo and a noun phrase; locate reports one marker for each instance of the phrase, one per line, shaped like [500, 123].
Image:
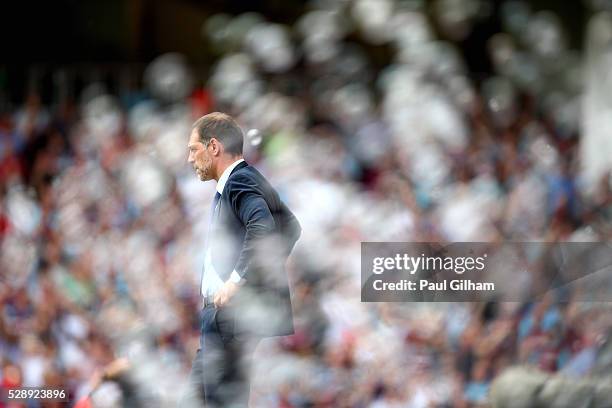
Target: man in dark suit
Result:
[244, 284]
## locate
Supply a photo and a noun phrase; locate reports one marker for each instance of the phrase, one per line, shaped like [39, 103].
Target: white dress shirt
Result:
[211, 282]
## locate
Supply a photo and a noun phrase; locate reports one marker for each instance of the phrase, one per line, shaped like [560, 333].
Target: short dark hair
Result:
[222, 127]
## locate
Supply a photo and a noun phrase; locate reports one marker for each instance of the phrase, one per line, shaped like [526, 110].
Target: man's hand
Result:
[109, 372]
[116, 367]
[225, 293]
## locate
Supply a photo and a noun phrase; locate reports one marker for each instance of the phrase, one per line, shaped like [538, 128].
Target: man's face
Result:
[199, 157]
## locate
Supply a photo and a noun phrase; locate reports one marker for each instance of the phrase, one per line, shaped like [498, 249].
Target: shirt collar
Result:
[226, 174]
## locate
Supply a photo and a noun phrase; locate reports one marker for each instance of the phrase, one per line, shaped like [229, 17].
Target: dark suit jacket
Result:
[254, 233]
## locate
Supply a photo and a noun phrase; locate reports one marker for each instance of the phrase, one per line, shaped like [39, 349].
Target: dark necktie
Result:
[213, 211]
[211, 222]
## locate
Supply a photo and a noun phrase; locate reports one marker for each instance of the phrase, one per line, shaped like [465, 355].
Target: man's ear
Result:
[213, 145]
[217, 147]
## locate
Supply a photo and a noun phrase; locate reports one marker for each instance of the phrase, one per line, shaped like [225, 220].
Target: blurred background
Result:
[377, 120]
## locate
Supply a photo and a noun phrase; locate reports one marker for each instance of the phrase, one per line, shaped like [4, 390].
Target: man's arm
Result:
[251, 208]
[291, 228]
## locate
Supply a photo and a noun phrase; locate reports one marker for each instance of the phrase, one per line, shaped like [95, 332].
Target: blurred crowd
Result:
[102, 222]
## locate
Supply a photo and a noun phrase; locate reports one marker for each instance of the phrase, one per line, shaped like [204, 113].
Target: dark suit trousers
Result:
[220, 370]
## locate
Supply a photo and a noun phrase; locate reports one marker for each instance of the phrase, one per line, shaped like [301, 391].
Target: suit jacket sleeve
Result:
[252, 209]
[291, 228]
